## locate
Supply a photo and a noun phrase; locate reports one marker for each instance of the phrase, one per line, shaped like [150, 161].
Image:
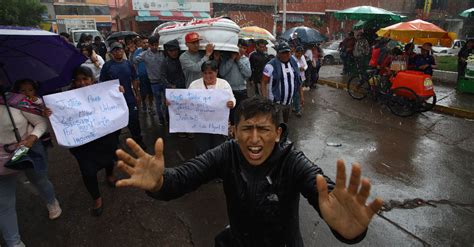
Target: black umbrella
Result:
[120, 35]
[305, 34]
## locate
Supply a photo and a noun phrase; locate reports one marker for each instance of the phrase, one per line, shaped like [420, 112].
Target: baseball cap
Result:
[115, 45]
[282, 47]
[191, 37]
[427, 46]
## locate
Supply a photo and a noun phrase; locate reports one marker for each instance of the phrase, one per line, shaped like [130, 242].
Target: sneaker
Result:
[299, 114]
[54, 210]
[305, 88]
[19, 244]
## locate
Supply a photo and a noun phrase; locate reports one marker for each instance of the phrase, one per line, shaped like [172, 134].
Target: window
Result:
[81, 10]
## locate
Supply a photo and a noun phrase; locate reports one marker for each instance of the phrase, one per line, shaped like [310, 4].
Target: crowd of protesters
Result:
[144, 73]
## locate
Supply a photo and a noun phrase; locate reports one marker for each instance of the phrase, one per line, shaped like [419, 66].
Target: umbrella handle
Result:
[15, 129]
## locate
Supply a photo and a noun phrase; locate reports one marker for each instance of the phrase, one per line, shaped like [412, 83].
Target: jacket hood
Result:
[172, 44]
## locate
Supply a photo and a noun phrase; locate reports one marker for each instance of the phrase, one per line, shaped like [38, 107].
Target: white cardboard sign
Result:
[198, 110]
[86, 114]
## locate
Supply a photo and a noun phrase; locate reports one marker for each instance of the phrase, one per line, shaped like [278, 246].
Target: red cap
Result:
[191, 37]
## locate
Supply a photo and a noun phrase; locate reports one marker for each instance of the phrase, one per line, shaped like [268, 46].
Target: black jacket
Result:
[171, 73]
[262, 201]
[258, 60]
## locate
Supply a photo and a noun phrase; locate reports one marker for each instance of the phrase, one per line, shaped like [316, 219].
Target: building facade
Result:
[83, 14]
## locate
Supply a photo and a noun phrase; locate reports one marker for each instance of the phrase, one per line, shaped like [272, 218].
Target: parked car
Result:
[449, 51]
[331, 53]
[445, 51]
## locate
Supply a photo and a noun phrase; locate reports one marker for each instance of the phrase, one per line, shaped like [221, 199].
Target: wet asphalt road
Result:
[425, 158]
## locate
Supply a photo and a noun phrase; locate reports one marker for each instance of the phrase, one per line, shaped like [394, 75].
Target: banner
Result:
[198, 111]
[86, 114]
[171, 5]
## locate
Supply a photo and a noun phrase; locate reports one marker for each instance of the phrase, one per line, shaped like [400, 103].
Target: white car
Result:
[331, 53]
[449, 51]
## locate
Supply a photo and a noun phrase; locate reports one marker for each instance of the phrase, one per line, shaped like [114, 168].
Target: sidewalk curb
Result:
[455, 112]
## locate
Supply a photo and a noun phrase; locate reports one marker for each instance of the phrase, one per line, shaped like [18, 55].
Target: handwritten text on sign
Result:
[86, 114]
[198, 110]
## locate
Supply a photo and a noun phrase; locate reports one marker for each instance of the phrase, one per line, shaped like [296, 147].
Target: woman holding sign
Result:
[209, 80]
[96, 155]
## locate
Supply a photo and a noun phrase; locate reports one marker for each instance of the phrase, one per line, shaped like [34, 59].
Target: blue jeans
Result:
[158, 90]
[9, 221]
[297, 101]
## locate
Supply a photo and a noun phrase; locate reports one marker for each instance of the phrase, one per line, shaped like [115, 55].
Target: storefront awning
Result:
[144, 15]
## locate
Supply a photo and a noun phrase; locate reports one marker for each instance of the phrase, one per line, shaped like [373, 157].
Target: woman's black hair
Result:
[211, 64]
[83, 70]
[88, 48]
[16, 87]
[82, 38]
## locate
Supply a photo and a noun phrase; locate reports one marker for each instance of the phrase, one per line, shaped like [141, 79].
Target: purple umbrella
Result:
[36, 54]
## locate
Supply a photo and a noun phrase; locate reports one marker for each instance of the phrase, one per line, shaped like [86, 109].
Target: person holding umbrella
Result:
[27, 128]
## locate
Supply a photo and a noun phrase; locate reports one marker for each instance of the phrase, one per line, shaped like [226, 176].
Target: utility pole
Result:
[117, 16]
[275, 18]
[283, 28]
[427, 9]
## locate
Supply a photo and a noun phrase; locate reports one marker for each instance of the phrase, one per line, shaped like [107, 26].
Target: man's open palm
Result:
[146, 171]
[344, 209]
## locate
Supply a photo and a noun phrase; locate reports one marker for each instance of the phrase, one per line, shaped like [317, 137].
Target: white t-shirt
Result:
[302, 64]
[95, 70]
[309, 55]
[220, 84]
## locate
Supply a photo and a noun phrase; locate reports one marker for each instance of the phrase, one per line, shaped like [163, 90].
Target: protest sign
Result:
[198, 110]
[88, 113]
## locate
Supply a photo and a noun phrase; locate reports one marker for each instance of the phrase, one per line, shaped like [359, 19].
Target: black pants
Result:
[239, 97]
[134, 124]
[92, 184]
[204, 142]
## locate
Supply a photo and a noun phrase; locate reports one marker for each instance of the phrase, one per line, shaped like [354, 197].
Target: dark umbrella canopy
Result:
[305, 34]
[36, 54]
[121, 34]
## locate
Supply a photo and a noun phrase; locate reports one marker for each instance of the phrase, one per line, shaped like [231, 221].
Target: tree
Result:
[21, 12]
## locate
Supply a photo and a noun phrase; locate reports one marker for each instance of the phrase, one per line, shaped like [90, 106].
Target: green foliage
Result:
[21, 12]
[316, 21]
[447, 63]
